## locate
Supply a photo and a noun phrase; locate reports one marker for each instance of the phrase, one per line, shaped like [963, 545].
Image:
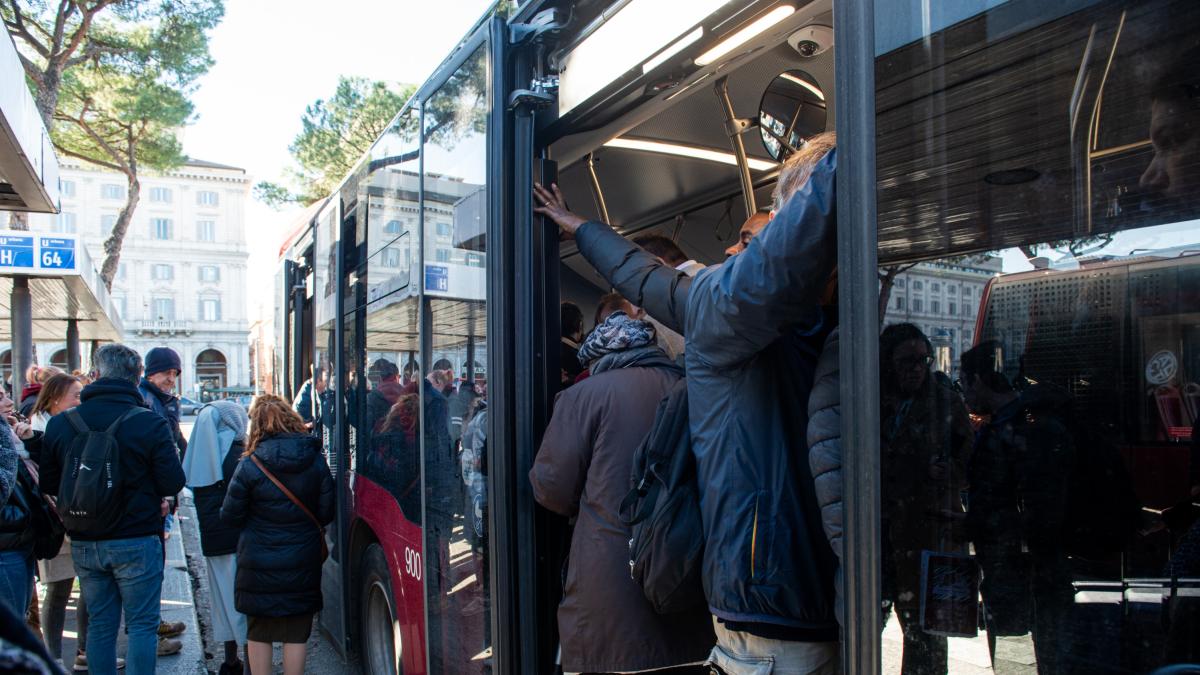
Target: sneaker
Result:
[169, 630]
[81, 663]
[168, 647]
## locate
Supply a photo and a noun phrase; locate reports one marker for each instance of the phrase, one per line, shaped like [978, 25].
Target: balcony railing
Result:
[163, 327]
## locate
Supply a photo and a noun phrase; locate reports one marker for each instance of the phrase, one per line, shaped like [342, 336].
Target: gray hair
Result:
[119, 362]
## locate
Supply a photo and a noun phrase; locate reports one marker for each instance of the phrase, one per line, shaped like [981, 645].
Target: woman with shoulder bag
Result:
[217, 443]
[281, 496]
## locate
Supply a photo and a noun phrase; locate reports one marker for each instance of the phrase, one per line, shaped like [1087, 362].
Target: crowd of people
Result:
[90, 470]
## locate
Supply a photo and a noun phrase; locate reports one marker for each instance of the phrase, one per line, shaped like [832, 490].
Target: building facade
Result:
[182, 277]
[943, 300]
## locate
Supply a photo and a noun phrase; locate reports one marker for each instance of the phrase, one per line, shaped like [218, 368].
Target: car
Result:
[189, 407]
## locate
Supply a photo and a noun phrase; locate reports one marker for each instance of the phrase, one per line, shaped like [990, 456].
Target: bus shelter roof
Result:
[59, 295]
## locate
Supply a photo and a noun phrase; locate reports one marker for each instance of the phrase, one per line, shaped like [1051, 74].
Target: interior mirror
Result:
[792, 110]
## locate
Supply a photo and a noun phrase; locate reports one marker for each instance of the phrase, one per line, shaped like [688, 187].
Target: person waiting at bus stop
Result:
[281, 497]
[925, 441]
[753, 328]
[582, 471]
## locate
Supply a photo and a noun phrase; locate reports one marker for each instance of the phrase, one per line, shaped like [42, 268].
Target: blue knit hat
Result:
[162, 359]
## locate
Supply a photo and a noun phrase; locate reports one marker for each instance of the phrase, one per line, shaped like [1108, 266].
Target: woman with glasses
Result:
[925, 439]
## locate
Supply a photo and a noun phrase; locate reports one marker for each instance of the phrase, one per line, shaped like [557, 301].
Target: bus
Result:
[425, 288]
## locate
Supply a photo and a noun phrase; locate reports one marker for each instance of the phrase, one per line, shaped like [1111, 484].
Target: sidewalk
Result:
[177, 605]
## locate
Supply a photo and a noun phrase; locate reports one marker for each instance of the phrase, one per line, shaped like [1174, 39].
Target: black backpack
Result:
[90, 492]
[666, 549]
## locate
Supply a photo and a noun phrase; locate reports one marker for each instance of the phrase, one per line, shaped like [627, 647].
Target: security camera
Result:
[812, 40]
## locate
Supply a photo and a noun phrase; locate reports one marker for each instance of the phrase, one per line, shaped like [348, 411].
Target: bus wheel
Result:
[381, 637]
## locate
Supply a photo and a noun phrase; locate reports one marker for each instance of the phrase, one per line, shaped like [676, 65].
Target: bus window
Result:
[454, 356]
[1040, 354]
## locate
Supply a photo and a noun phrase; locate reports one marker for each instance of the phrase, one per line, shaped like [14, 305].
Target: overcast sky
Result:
[274, 57]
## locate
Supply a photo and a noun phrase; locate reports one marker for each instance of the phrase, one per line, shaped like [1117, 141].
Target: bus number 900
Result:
[412, 563]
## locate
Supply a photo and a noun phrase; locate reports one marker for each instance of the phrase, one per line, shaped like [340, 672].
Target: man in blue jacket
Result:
[754, 327]
[121, 570]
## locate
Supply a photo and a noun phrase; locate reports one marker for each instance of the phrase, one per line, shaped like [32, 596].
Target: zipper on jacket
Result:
[754, 537]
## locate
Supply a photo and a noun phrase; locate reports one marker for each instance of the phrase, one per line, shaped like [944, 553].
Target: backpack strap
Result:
[76, 421]
[287, 493]
[112, 428]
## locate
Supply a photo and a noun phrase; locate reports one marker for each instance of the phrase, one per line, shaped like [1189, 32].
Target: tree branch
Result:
[18, 24]
[85, 27]
[91, 160]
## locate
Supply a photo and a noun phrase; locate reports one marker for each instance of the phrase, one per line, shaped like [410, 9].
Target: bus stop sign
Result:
[28, 253]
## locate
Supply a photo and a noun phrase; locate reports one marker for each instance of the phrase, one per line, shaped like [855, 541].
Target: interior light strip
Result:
[687, 151]
[746, 34]
[807, 85]
[674, 49]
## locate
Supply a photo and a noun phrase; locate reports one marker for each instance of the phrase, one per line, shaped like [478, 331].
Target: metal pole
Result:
[73, 345]
[22, 334]
[859, 299]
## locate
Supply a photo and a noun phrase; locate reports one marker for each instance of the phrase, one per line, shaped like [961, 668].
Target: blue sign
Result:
[437, 278]
[16, 251]
[57, 253]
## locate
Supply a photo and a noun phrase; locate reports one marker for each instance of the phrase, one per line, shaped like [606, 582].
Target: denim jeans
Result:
[116, 575]
[16, 580]
[739, 653]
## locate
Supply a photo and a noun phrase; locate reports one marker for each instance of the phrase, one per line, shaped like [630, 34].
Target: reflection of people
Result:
[1019, 477]
[393, 459]
[1174, 173]
[925, 438]
[384, 395]
[582, 470]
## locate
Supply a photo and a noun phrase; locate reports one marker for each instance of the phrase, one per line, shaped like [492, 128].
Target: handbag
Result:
[49, 531]
[288, 493]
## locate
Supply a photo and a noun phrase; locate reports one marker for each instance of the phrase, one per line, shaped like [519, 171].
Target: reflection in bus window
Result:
[1051, 173]
[454, 325]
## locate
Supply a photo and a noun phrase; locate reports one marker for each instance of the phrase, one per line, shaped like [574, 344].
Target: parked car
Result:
[189, 407]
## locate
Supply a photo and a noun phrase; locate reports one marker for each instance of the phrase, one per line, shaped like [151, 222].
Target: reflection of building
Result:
[942, 299]
[182, 276]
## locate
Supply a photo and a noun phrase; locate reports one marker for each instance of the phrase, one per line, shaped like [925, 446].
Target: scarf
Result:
[617, 333]
[218, 425]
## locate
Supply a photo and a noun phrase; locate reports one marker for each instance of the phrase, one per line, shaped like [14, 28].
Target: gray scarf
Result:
[617, 333]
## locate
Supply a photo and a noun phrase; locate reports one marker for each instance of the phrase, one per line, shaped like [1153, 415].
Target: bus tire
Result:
[381, 648]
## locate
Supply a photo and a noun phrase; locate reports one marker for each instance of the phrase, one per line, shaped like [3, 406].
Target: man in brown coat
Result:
[583, 471]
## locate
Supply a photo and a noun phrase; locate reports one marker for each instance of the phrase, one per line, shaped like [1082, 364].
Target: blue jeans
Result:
[116, 575]
[16, 580]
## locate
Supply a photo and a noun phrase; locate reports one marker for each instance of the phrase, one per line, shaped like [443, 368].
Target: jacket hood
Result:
[289, 453]
[108, 386]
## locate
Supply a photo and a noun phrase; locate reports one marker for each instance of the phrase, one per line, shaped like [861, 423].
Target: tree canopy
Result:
[335, 133]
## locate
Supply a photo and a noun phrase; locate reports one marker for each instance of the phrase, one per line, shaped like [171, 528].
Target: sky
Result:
[274, 57]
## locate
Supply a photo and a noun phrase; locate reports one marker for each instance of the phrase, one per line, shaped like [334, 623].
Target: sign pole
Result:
[22, 334]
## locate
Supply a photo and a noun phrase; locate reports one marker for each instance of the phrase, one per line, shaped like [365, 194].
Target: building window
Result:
[899, 303]
[160, 228]
[65, 222]
[121, 271]
[935, 306]
[966, 309]
[206, 230]
[900, 283]
[393, 227]
[207, 198]
[952, 290]
[916, 304]
[391, 257]
[67, 187]
[119, 304]
[162, 272]
[952, 308]
[160, 195]
[112, 191]
[935, 287]
[210, 309]
[475, 260]
[164, 309]
[917, 285]
[106, 223]
[443, 229]
[210, 273]
[442, 255]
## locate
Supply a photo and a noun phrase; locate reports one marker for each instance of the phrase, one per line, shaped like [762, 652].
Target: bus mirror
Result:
[792, 110]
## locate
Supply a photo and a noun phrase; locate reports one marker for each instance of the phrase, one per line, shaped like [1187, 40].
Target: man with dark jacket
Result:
[157, 388]
[163, 368]
[754, 328]
[582, 470]
[120, 570]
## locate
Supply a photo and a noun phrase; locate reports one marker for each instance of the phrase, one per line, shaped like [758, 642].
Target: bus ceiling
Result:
[1014, 152]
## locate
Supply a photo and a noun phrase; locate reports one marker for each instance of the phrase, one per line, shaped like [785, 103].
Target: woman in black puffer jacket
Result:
[280, 551]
